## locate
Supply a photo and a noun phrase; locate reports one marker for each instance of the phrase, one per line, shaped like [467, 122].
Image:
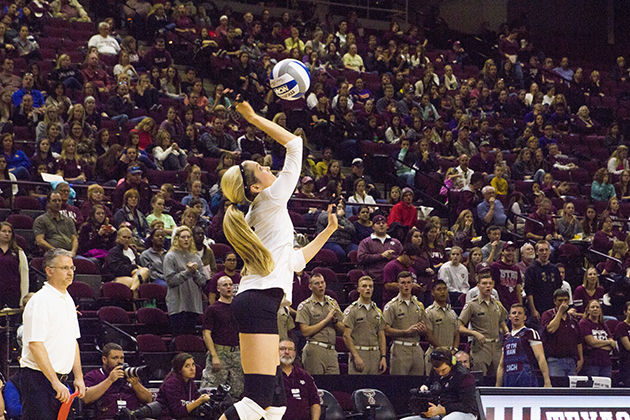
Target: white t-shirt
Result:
[130, 254]
[104, 45]
[269, 217]
[51, 317]
[455, 277]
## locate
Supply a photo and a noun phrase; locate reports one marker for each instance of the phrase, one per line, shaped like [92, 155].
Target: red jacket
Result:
[406, 215]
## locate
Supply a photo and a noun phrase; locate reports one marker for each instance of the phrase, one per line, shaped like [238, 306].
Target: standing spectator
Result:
[487, 319]
[598, 342]
[53, 230]
[507, 277]
[303, 401]
[51, 350]
[379, 248]
[364, 334]
[587, 291]
[229, 269]
[319, 318]
[220, 334]
[14, 264]
[622, 334]
[405, 321]
[601, 189]
[183, 275]
[103, 41]
[542, 278]
[442, 321]
[455, 274]
[522, 351]
[561, 337]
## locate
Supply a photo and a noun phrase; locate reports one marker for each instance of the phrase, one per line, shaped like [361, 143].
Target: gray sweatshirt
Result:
[184, 287]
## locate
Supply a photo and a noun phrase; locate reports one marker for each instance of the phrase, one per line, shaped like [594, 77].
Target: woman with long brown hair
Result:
[269, 263]
[14, 279]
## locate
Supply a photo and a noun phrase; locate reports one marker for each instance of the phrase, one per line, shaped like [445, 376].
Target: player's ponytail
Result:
[257, 259]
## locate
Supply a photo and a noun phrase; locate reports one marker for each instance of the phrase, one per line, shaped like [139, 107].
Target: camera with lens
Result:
[220, 400]
[153, 410]
[133, 371]
[421, 397]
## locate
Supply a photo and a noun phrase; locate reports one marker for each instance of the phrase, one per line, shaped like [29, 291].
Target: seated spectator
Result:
[406, 262]
[7, 191]
[94, 73]
[404, 212]
[395, 132]
[432, 246]
[427, 161]
[122, 263]
[157, 203]
[352, 60]
[146, 95]
[543, 215]
[131, 217]
[133, 180]
[601, 189]
[54, 230]
[67, 208]
[70, 10]
[498, 182]
[618, 161]
[491, 251]
[464, 229]
[120, 106]
[568, 225]
[218, 140]
[103, 41]
[27, 89]
[490, 211]
[158, 56]
[303, 401]
[455, 274]
[17, 162]
[360, 196]
[603, 239]
[26, 45]
[250, 144]
[178, 394]
[108, 386]
[590, 223]
[584, 124]
[195, 192]
[69, 165]
[598, 342]
[109, 166]
[168, 155]
[464, 170]
[153, 256]
[343, 240]
[363, 224]
[483, 161]
[96, 235]
[622, 188]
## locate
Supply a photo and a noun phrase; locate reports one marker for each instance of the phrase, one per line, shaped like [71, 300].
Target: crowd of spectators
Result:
[510, 155]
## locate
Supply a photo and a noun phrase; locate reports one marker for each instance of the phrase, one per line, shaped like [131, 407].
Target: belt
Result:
[491, 340]
[320, 344]
[406, 343]
[366, 348]
[62, 378]
[228, 348]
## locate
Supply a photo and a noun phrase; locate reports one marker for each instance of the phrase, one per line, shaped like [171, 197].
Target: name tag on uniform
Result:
[360, 319]
[481, 313]
[295, 392]
[438, 321]
[400, 315]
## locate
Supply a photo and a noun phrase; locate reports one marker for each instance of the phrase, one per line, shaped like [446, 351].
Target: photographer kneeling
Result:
[451, 391]
[178, 394]
[109, 386]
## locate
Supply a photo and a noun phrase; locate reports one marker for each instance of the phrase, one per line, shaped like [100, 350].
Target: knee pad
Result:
[279, 396]
[245, 409]
[275, 413]
[259, 388]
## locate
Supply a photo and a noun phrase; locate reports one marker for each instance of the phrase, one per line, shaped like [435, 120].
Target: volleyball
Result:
[290, 79]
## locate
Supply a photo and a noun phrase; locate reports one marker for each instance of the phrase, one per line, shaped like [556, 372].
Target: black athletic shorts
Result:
[256, 311]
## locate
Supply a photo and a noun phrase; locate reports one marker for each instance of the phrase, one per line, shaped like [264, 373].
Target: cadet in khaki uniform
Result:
[365, 333]
[318, 317]
[285, 321]
[442, 321]
[405, 320]
[487, 317]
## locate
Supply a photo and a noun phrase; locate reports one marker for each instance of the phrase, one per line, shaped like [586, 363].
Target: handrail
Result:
[605, 256]
[538, 222]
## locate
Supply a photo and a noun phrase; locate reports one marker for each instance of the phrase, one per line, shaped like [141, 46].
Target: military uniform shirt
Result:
[401, 314]
[443, 322]
[365, 322]
[310, 312]
[484, 316]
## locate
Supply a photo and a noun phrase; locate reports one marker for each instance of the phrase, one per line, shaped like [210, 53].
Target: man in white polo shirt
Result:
[50, 350]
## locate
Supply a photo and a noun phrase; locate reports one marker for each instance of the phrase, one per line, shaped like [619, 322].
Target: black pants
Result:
[38, 397]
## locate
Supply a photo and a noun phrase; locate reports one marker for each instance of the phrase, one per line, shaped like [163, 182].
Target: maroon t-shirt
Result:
[219, 320]
[506, 277]
[595, 357]
[390, 274]
[106, 406]
[581, 298]
[10, 279]
[562, 343]
[301, 394]
[623, 330]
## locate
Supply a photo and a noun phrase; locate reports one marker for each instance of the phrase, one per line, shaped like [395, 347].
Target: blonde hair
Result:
[257, 259]
[175, 241]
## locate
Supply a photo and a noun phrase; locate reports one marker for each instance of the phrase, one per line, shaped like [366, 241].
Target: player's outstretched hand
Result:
[245, 109]
[333, 223]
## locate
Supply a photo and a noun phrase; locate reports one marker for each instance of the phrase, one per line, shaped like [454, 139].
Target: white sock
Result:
[248, 409]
